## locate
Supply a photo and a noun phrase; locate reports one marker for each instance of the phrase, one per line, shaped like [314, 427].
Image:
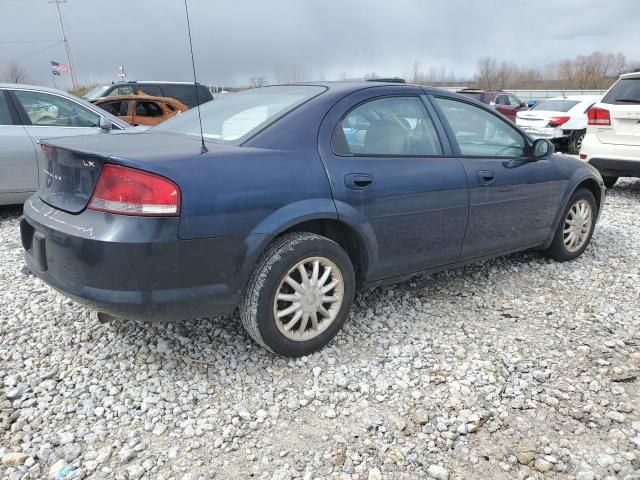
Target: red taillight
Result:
[598, 116]
[133, 192]
[557, 121]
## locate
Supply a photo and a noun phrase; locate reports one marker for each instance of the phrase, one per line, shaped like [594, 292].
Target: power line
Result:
[37, 51]
[3, 42]
[66, 42]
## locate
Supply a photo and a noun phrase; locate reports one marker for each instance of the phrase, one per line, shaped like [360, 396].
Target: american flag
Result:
[58, 68]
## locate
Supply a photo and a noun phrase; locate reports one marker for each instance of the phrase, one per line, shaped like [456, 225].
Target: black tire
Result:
[558, 250]
[257, 304]
[609, 181]
[575, 141]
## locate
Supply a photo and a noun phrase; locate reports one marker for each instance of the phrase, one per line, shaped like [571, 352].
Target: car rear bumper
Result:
[133, 267]
[545, 132]
[612, 167]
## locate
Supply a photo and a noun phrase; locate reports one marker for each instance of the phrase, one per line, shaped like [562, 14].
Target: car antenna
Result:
[203, 147]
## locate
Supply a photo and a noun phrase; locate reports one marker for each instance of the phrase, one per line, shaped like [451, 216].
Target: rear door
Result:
[512, 199]
[623, 103]
[18, 162]
[392, 174]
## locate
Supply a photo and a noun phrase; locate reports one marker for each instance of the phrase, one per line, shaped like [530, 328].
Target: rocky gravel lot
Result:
[518, 367]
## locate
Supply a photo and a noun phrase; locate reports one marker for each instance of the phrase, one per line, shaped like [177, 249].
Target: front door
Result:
[512, 198]
[392, 174]
[18, 164]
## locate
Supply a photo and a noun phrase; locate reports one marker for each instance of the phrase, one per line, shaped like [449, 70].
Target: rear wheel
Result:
[609, 181]
[575, 228]
[575, 141]
[299, 295]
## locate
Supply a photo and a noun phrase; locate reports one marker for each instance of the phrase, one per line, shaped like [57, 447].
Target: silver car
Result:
[29, 114]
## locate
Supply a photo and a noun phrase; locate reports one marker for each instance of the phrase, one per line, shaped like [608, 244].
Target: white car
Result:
[559, 119]
[612, 142]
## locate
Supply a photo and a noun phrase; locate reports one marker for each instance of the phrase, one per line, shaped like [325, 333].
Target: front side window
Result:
[387, 126]
[514, 101]
[5, 115]
[52, 110]
[502, 100]
[234, 117]
[480, 133]
[148, 109]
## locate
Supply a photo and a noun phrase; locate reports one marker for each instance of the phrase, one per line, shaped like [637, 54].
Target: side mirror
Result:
[105, 123]
[542, 148]
[523, 105]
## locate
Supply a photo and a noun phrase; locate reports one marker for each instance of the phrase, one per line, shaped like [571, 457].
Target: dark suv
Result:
[505, 103]
[182, 91]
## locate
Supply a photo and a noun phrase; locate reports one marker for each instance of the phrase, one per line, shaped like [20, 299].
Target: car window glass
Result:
[514, 102]
[118, 108]
[387, 126]
[121, 90]
[170, 107]
[480, 133]
[5, 115]
[153, 90]
[625, 91]
[502, 100]
[555, 105]
[148, 109]
[52, 110]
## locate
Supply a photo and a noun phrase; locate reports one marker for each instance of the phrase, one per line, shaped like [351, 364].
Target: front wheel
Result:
[575, 228]
[299, 294]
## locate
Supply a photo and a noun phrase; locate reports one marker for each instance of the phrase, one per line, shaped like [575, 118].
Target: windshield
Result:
[97, 92]
[238, 115]
[624, 91]
[556, 105]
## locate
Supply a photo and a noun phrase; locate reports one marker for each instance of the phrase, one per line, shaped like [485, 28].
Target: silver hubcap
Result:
[308, 298]
[577, 226]
[579, 142]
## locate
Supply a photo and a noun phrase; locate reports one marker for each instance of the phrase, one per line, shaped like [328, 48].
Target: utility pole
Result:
[66, 43]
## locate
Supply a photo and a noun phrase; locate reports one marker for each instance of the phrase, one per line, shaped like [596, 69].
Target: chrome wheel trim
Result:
[308, 298]
[577, 226]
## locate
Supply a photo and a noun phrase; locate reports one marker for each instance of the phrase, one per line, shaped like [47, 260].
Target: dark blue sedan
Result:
[302, 194]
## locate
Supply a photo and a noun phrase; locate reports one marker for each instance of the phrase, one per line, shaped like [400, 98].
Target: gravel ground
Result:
[517, 367]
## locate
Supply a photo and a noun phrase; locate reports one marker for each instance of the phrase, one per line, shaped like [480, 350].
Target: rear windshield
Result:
[556, 105]
[625, 91]
[238, 115]
[99, 91]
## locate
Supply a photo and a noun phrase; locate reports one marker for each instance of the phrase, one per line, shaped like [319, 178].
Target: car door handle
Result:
[358, 181]
[486, 177]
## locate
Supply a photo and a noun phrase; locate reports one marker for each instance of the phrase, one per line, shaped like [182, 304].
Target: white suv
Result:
[612, 142]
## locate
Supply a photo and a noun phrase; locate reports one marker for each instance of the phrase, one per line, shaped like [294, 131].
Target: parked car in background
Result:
[612, 142]
[184, 92]
[505, 103]
[141, 109]
[563, 120]
[28, 114]
[302, 194]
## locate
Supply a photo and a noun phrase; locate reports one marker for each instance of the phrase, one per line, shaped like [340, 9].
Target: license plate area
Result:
[34, 244]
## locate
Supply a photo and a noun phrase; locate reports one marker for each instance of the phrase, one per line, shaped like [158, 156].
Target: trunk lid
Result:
[534, 118]
[69, 178]
[625, 125]
[73, 164]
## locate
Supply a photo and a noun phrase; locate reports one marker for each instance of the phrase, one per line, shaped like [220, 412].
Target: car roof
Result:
[137, 97]
[631, 75]
[22, 86]
[576, 98]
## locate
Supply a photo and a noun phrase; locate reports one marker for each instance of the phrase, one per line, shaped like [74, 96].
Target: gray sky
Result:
[238, 39]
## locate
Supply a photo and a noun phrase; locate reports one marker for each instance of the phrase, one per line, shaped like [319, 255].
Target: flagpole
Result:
[66, 43]
[53, 78]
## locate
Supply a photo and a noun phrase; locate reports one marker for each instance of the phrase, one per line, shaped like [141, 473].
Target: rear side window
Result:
[118, 108]
[148, 109]
[392, 126]
[153, 90]
[624, 92]
[5, 115]
[480, 133]
[187, 93]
